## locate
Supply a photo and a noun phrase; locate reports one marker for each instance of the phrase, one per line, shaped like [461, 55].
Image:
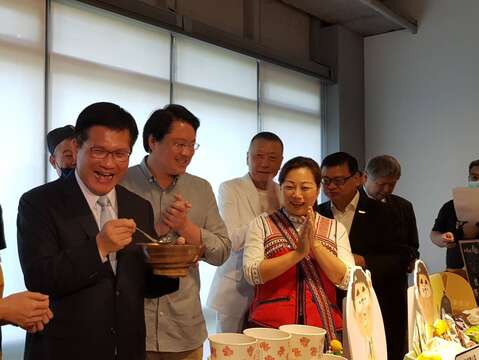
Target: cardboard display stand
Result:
[365, 336]
[470, 255]
[424, 312]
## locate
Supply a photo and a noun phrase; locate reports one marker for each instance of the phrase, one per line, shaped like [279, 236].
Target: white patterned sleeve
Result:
[254, 251]
[344, 254]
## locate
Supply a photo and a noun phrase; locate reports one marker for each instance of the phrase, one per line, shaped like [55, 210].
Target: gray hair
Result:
[382, 166]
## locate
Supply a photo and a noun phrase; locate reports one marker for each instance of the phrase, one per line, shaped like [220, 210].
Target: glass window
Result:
[21, 131]
[290, 107]
[84, 32]
[99, 56]
[211, 67]
[219, 87]
[290, 89]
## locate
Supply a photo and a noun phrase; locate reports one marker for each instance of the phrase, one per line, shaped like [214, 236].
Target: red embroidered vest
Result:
[303, 294]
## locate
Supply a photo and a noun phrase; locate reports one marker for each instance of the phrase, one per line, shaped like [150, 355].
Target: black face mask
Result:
[66, 172]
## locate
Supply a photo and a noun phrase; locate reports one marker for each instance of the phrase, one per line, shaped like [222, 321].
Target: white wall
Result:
[422, 106]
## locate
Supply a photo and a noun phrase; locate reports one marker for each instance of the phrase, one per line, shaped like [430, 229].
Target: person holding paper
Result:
[447, 229]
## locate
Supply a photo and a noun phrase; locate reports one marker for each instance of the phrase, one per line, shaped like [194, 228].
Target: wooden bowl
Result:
[170, 260]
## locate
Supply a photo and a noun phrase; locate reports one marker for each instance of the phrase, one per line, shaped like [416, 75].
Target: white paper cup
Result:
[307, 342]
[273, 344]
[229, 346]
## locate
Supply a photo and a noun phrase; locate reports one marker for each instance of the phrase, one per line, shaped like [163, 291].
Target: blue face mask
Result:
[474, 184]
[66, 172]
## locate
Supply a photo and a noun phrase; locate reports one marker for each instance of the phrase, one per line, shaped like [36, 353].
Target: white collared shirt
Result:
[92, 200]
[346, 217]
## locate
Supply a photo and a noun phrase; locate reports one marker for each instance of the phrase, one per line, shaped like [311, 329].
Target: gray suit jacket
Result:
[239, 204]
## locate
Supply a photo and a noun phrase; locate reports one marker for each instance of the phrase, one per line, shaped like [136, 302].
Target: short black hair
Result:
[105, 114]
[300, 162]
[159, 123]
[268, 136]
[472, 164]
[341, 158]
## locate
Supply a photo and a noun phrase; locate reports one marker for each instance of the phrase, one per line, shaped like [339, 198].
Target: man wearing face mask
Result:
[447, 229]
[63, 150]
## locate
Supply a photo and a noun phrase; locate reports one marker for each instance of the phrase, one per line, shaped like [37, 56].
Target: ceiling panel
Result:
[352, 14]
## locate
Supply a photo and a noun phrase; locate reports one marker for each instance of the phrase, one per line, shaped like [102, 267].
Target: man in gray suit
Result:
[240, 201]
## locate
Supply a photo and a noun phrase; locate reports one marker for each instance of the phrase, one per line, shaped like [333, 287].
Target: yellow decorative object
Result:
[429, 355]
[459, 292]
[336, 347]
[440, 327]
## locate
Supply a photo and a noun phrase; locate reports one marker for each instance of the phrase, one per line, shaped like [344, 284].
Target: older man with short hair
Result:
[380, 178]
[240, 201]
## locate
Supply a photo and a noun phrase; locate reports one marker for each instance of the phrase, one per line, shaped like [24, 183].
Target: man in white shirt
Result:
[240, 201]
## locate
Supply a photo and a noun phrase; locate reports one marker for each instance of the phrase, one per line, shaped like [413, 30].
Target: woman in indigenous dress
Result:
[296, 258]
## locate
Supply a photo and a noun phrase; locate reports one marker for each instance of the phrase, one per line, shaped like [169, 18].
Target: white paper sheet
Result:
[466, 203]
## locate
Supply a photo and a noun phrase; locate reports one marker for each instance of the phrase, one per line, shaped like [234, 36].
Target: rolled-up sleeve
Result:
[254, 251]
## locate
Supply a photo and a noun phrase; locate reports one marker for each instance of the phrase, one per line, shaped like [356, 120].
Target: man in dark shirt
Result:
[447, 229]
[380, 178]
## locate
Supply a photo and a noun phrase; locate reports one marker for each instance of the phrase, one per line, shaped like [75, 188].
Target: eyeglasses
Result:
[100, 154]
[338, 181]
[180, 146]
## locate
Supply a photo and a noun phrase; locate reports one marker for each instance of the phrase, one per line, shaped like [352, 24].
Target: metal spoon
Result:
[169, 238]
